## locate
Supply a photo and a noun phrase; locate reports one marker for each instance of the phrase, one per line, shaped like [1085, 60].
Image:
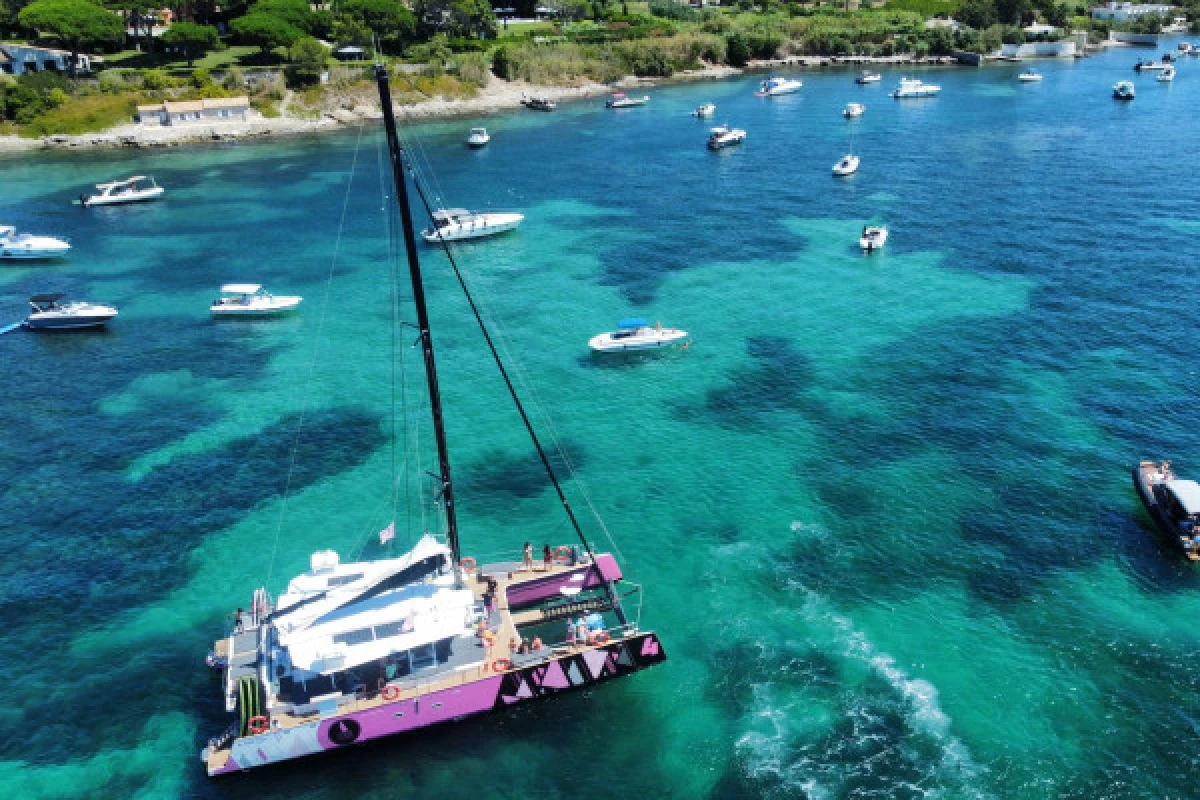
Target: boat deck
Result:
[472, 656]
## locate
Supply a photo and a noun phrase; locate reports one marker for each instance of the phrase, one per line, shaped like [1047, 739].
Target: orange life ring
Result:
[391, 692]
[501, 665]
[562, 553]
[259, 724]
[468, 564]
[603, 640]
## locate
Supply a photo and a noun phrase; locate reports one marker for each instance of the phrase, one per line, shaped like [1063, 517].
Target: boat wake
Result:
[838, 716]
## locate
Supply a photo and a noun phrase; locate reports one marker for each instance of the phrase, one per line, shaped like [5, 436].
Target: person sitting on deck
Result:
[524, 647]
[536, 644]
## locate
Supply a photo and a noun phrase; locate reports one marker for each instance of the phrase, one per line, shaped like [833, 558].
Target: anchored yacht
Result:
[774, 85]
[911, 87]
[725, 136]
[137, 189]
[847, 166]
[636, 334]
[250, 300]
[29, 246]
[50, 314]
[453, 224]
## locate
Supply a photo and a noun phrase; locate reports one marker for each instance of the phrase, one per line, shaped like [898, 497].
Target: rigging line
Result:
[312, 366]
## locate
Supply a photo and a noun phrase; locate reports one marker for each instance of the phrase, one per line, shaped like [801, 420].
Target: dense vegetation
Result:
[457, 41]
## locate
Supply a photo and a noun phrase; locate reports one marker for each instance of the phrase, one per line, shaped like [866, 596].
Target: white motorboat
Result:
[706, 110]
[538, 103]
[452, 224]
[847, 166]
[636, 334]
[911, 87]
[868, 77]
[853, 110]
[724, 136]
[131, 190]
[1167, 75]
[622, 100]
[49, 314]
[1123, 90]
[1030, 76]
[775, 85]
[249, 300]
[15, 245]
[1185, 47]
[1149, 66]
[873, 237]
[478, 137]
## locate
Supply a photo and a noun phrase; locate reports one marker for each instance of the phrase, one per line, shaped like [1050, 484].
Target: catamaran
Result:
[351, 652]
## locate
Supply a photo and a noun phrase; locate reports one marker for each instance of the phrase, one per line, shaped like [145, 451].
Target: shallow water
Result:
[880, 507]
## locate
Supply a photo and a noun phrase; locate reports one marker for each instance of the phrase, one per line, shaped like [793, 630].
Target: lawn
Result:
[236, 55]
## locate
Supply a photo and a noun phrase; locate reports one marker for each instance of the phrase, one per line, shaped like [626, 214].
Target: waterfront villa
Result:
[1121, 12]
[190, 112]
[18, 59]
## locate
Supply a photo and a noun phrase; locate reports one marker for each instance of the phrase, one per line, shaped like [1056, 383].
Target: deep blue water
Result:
[880, 506]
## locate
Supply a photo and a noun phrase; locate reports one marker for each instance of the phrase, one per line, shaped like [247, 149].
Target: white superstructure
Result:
[636, 334]
[911, 87]
[131, 190]
[15, 245]
[452, 224]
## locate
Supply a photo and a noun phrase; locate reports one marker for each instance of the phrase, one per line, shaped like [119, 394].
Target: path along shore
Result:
[497, 96]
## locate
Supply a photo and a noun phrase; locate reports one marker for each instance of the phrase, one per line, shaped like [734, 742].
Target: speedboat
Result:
[873, 237]
[1029, 76]
[1123, 90]
[249, 300]
[1167, 75]
[28, 246]
[1148, 66]
[636, 334]
[49, 314]
[538, 103]
[478, 137]
[847, 166]
[868, 77]
[853, 110]
[1174, 504]
[131, 190]
[1185, 47]
[706, 110]
[911, 87]
[622, 100]
[724, 136]
[775, 85]
[452, 224]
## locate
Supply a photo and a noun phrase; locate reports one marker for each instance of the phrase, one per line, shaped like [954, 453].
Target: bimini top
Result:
[117, 184]
[241, 288]
[451, 213]
[47, 298]
[632, 322]
[1187, 493]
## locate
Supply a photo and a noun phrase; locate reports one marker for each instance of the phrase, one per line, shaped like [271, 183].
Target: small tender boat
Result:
[15, 245]
[249, 300]
[1030, 76]
[1185, 47]
[636, 334]
[452, 224]
[853, 110]
[538, 103]
[868, 77]
[775, 85]
[1148, 66]
[873, 237]
[911, 87]
[478, 137]
[1123, 90]
[724, 136]
[622, 100]
[847, 166]
[49, 314]
[1174, 504]
[1167, 75]
[131, 190]
[706, 110]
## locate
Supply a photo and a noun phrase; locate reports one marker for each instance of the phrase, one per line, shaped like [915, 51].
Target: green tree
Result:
[294, 12]
[977, 14]
[190, 39]
[266, 30]
[1011, 12]
[308, 58]
[458, 19]
[75, 23]
[390, 20]
[737, 50]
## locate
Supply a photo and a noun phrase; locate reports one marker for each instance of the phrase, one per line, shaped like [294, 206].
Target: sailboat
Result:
[352, 652]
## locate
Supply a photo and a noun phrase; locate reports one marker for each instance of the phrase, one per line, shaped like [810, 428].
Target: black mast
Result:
[414, 270]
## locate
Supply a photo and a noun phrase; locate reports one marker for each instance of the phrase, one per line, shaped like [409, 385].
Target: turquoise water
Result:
[880, 507]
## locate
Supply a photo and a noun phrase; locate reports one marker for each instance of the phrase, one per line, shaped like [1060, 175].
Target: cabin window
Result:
[423, 656]
[342, 580]
[360, 636]
[389, 629]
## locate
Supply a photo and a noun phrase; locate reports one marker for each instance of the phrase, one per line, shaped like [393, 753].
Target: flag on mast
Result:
[388, 533]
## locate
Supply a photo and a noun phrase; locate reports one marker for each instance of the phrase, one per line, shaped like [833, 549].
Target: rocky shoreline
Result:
[497, 96]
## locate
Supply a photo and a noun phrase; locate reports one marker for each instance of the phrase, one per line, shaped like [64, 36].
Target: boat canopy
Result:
[632, 322]
[117, 184]
[1187, 493]
[240, 288]
[47, 298]
[450, 213]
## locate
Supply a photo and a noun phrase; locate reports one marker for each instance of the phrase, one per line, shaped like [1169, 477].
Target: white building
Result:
[210, 109]
[1120, 12]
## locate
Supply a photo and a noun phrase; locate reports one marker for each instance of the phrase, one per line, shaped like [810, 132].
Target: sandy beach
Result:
[497, 96]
